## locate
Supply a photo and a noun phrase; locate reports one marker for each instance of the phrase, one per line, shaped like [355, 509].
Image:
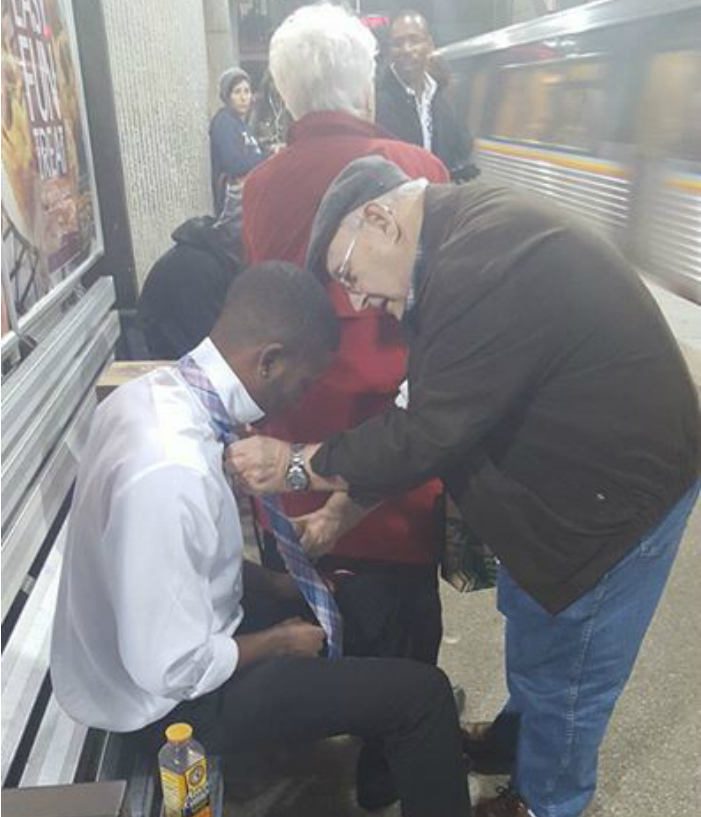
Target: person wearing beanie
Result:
[234, 152]
[533, 347]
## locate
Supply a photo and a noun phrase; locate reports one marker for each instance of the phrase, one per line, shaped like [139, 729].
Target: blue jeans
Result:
[565, 672]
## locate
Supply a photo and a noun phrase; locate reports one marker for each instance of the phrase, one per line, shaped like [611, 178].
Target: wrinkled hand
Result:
[319, 531]
[259, 464]
[298, 637]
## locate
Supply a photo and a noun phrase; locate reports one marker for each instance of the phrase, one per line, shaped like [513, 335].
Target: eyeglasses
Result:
[342, 274]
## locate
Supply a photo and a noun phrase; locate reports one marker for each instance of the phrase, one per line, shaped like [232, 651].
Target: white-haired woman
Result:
[322, 58]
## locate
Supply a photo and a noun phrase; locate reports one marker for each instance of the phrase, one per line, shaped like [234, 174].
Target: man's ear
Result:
[271, 361]
[382, 218]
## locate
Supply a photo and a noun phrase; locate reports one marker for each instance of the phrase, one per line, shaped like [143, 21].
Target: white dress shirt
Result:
[423, 105]
[150, 593]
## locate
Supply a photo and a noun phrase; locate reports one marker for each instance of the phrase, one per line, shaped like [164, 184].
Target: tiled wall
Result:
[158, 59]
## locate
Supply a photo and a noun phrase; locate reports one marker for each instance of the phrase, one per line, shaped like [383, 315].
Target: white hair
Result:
[322, 58]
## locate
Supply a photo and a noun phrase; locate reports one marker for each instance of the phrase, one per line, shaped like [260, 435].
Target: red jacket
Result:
[280, 199]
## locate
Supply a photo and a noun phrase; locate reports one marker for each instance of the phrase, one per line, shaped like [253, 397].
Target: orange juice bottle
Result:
[183, 767]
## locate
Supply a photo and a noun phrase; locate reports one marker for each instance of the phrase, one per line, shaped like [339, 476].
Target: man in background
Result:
[411, 97]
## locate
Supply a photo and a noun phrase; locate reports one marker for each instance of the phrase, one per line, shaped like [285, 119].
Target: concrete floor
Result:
[650, 762]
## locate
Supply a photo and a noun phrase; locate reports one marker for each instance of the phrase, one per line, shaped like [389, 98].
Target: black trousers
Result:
[390, 609]
[407, 704]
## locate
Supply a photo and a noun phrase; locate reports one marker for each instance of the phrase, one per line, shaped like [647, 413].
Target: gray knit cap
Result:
[228, 79]
[358, 183]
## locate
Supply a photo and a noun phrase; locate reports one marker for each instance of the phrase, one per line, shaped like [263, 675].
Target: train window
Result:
[670, 114]
[522, 101]
[555, 102]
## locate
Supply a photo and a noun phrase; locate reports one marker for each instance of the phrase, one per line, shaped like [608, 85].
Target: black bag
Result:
[467, 563]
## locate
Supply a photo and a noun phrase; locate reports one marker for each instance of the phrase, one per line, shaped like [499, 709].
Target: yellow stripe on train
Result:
[689, 184]
[571, 162]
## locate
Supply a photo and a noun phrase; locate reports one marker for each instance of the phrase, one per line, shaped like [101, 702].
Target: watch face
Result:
[297, 478]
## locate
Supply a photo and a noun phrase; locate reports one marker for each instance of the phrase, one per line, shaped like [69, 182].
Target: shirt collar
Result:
[430, 86]
[417, 275]
[241, 407]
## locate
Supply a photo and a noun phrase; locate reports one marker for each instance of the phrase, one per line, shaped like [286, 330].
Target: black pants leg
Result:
[404, 704]
[389, 610]
[407, 704]
[423, 615]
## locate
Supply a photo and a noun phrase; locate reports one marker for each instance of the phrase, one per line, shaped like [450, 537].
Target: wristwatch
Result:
[297, 476]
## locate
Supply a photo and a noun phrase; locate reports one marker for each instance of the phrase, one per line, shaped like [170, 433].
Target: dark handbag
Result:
[467, 563]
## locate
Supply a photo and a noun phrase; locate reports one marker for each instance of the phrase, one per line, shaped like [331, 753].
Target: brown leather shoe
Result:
[506, 804]
[485, 756]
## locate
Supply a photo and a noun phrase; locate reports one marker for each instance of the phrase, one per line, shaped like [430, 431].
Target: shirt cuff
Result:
[224, 661]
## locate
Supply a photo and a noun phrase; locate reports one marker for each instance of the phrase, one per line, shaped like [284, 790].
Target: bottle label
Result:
[198, 790]
[186, 795]
[174, 793]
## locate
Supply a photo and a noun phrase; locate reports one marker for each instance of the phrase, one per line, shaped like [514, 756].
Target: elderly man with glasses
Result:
[548, 393]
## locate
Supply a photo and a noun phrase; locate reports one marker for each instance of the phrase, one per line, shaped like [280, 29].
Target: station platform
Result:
[650, 762]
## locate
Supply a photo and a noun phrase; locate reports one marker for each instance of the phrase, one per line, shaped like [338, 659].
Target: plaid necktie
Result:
[311, 585]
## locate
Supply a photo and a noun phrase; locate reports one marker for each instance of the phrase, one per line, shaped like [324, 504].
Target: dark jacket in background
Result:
[396, 112]
[185, 289]
[234, 152]
[269, 121]
[545, 387]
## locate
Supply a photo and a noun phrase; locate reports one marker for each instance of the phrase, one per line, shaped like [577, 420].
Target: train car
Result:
[598, 107]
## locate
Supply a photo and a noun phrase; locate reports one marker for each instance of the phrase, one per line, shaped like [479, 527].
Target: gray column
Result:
[222, 42]
[158, 63]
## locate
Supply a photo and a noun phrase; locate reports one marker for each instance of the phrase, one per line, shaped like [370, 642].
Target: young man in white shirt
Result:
[156, 621]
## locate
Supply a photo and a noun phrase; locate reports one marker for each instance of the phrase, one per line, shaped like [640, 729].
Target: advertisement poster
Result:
[50, 225]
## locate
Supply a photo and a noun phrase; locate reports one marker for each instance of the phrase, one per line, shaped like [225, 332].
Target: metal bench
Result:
[47, 404]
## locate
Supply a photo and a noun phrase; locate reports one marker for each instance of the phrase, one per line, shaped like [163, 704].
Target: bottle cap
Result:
[179, 732]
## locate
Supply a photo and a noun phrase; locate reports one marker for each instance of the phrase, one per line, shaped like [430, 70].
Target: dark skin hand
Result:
[291, 637]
